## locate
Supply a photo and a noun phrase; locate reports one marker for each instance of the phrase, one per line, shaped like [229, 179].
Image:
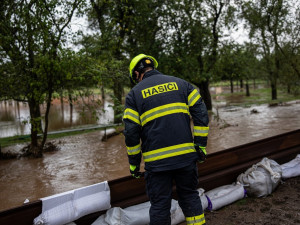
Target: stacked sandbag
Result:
[139, 214]
[68, 206]
[224, 195]
[291, 168]
[262, 178]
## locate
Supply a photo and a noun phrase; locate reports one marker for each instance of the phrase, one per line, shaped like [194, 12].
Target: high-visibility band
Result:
[195, 220]
[163, 111]
[193, 97]
[168, 152]
[132, 115]
[134, 150]
[201, 131]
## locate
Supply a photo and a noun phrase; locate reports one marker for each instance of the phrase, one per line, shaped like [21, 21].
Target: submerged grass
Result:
[257, 97]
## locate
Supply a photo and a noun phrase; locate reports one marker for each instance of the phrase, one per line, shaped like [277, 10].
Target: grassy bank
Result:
[19, 139]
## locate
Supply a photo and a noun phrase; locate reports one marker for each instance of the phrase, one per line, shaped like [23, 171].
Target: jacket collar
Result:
[151, 73]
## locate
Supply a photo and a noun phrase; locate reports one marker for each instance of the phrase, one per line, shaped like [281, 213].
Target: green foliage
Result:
[237, 62]
[32, 34]
[270, 23]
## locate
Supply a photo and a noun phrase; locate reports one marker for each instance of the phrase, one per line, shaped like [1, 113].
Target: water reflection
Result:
[14, 116]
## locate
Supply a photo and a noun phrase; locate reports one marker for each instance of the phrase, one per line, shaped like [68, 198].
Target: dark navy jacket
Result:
[157, 120]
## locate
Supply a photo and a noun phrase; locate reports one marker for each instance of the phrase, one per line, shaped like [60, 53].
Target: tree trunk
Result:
[241, 84]
[247, 89]
[62, 105]
[103, 94]
[71, 108]
[274, 90]
[35, 121]
[45, 133]
[205, 94]
[118, 89]
[231, 85]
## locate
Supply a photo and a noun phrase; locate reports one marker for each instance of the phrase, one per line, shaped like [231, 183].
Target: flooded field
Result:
[85, 160]
[14, 116]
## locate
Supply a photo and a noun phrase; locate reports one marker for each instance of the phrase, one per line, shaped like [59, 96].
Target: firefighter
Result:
[157, 116]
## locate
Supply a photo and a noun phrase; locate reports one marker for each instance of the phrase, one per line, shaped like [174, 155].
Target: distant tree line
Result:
[188, 38]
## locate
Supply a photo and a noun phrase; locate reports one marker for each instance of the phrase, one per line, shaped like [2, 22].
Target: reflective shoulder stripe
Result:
[201, 131]
[196, 220]
[193, 97]
[132, 115]
[163, 111]
[134, 150]
[168, 152]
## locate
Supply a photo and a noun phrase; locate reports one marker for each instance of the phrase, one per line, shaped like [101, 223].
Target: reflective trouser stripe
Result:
[134, 150]
[167, 152]
[132, 115]
[195, 220]
[163, 111]
[193, 97]
[201, 131]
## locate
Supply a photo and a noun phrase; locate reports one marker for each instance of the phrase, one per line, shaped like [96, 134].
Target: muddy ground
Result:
[281, 207]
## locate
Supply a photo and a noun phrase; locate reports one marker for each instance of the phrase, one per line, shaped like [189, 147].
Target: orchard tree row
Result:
[190, 39]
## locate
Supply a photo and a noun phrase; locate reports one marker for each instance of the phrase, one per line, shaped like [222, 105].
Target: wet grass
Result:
[257, 97]
[226, 83]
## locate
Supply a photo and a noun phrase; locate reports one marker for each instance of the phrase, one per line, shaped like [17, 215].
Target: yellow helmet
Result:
[135, 63]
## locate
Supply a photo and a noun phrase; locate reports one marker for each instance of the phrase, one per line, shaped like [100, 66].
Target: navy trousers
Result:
[159, 191]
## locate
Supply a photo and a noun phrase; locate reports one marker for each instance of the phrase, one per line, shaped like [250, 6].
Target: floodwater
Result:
[84, 160]
[14, 116]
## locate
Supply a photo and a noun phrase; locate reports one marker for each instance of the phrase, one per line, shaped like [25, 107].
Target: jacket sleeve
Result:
[132, 131]
[199, 115]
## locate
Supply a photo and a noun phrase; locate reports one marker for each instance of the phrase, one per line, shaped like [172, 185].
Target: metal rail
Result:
[220, 168]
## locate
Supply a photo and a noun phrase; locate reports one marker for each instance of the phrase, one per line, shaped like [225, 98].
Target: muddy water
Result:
[85, 160]
[237, 125]
[14, 116]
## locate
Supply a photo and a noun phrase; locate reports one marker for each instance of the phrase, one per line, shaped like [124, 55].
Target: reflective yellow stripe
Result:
[201, 131]
[132, 115]
[167, 152]
[193, 97]
[195, 220]
[134, 150]
[163, 111]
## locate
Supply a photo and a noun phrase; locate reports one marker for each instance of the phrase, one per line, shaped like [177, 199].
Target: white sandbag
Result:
[203, 198]
[139, 214]
[177, 215]
[91, 199]
[262, 178]
[56, 210]
[224, 195]
[136, 215]
[291, 168]
[68, 206]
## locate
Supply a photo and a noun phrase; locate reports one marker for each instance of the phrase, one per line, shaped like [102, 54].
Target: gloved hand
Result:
[135, 171]
[201, 151]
